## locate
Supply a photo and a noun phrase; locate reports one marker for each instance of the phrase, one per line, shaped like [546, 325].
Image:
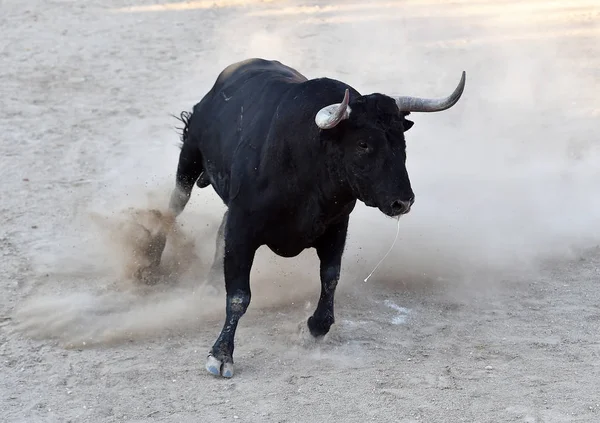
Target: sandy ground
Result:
[487, 309]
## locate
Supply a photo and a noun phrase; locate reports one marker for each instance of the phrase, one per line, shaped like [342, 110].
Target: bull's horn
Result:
[416, 104]
[329, 116]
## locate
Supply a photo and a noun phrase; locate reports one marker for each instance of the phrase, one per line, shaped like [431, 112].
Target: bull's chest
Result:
[289, 241]
[289, 235]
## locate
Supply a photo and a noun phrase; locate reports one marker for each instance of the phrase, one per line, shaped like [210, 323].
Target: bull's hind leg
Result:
[189, 169]
[216, 270]
[237, 264]
[330, 248]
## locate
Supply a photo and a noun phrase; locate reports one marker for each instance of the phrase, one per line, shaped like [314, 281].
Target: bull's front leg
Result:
[330, 248]
[238, 257]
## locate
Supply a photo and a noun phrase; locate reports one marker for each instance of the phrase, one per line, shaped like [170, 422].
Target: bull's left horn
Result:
[416, 104]
[329, 116]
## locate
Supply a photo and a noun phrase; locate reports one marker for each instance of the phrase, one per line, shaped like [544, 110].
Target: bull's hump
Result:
[259, 66]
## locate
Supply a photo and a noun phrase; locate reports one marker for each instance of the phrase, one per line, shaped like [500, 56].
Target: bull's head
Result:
[370, 133]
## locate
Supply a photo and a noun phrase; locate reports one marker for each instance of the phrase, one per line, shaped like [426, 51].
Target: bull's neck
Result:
[337, 187]
[319, 167]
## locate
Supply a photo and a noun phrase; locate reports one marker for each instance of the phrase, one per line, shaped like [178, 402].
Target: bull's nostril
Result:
[399, 206]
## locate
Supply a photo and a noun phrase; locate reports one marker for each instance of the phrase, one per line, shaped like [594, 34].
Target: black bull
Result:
[289, 162]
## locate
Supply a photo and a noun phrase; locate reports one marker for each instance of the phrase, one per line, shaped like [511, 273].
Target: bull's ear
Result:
[407, 124]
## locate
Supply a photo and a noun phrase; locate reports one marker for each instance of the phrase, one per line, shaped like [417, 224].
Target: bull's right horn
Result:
[329, 116]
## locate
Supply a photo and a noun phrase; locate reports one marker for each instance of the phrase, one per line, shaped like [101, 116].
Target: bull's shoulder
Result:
[296, 106]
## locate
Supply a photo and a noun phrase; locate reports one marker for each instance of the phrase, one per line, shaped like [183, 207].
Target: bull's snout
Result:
[399, 207]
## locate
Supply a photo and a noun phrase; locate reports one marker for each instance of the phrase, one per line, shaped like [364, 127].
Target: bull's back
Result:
[233, 120]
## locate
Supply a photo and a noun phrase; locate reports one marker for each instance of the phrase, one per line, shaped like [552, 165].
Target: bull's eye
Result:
[363, 145]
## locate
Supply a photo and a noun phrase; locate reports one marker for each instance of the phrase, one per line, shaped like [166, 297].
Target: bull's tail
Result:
[184, 118]
[189, 167]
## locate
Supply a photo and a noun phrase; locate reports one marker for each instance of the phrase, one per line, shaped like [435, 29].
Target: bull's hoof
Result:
[146, 235]
[218, 367]
[148, 275]
[319, 327]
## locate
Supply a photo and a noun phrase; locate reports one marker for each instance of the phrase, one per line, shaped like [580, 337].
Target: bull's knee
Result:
[237, 304]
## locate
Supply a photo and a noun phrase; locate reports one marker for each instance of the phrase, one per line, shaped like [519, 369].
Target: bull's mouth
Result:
[387, 209]
[371, 203]
[396, 209]
[391, 213]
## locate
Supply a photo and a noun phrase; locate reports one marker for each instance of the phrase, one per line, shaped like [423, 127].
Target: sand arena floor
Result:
[487, 309]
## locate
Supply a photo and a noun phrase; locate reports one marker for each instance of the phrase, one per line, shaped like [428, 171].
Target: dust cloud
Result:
[498, 190]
